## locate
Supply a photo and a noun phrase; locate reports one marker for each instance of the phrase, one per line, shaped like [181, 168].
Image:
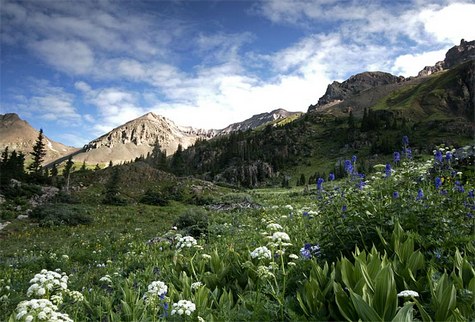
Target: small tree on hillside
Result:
[111, 194]
[67, 172]
[39, 152]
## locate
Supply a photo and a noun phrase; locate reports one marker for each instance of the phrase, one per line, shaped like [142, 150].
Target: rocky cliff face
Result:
[19, 135]
[337, 92]
[258, 120]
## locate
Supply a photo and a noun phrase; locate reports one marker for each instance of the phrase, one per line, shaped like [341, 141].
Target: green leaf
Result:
[385, 294]
[364, 310]
[344, 304]
[425, 317]
[446, 303]
[405, 313]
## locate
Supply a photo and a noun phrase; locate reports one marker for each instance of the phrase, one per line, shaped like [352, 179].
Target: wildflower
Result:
[344, 208]
[459, 186]
[187, 241]
[396, 157]
[348, 167]
[420, 194]
[293, 256]
[353, 159]
[438, 156]
[157, 288]
[264, 272]
[273, 226]
[106, 279]
[196, 285]
[395, 194]
[408, 293]
[261, 253]
[331, 176]
[183, 307]
[319, 183]
[289, 207]
[448, 156]
[280, 237]
[361, 184]
[308, 251]
[47, 281]
[471, 193]
[469, 215]
[206, 256]
[437, 183]
[39, 309]
[405, 140]
[388, 170]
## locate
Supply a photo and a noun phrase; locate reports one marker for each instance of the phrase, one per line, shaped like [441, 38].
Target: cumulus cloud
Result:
[411, 64]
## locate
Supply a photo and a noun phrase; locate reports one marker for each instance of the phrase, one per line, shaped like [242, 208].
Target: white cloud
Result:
[411, 64]
[451, 23]
[70, 56]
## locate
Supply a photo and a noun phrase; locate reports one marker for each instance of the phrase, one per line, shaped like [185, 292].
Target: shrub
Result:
[153, 197]
[61, 214]
[193, 222]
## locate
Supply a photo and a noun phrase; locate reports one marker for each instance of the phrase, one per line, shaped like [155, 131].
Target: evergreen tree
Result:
[97, 167]
[54, 170]
[351, 121]
[67, 171]
[39, 152]
[111, 194]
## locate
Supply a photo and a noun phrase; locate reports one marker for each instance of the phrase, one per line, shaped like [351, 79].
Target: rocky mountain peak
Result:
[460, 54]
[337, 92]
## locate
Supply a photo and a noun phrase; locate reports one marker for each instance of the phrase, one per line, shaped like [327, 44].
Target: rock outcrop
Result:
[337, 92]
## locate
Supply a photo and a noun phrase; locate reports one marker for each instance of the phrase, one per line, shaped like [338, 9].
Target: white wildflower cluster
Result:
[187, 241]
[273, 226]
[39, 310]
[106, 279]
[261, 253]
[206, 256]
[156, 290]
[47, 282]
[183, 307]
[76, 296]
[196, 285]
[264, 272]
[293, 256]
[289, 207]
[408, 293]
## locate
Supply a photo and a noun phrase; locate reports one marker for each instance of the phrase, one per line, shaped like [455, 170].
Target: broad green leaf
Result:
[364, 310]
[405, 314]
[447, 303]
[344, 304]
[385, 295]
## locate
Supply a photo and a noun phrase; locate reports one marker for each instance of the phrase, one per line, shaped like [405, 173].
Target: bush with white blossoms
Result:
[183, 307]
[156, 290]
[46, 283]
[261, 253]
[39, 310]
[187, 241]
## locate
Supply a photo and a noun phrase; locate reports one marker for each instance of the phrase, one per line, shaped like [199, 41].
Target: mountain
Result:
[258, 120]
[139, 137]
[19, 135]
[365, 89]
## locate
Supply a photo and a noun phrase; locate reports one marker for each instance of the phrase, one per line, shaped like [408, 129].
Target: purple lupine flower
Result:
[344, 208]
[469, 215]
[420, 194]
[388, 170]
[397, 157]
[353, 159]
[408, 153]
[320, 183]
[437, 183]
[331, 176]
[438, 156]
[448, 156]
[405, 140]
[471, 194]
[361, 184]
[459, 186]
[395, 194]
[348, 167]
[308, 250]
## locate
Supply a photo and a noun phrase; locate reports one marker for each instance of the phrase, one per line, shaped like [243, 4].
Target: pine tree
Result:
[39, 152]
[67, 171]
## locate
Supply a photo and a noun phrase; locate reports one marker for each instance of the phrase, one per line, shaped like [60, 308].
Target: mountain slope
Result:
[139, 137]
[18, 135]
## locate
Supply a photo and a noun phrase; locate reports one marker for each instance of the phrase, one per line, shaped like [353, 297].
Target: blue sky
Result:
[77, 69]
